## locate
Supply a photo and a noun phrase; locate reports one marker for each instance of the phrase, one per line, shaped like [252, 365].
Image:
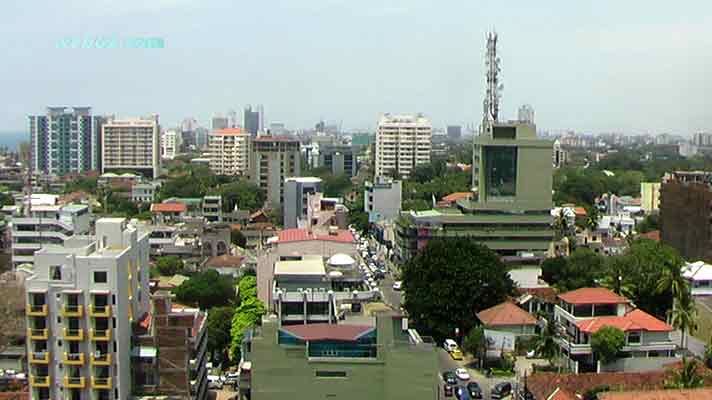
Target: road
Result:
[447, 364]
[390, 297]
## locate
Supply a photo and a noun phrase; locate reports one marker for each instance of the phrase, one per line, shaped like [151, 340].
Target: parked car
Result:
[232, 378]
[397, 285]
[462, 394]
[450, 345]
[450, 378]
[456, 354]
[475, 390]
[531, 354]
[462, 374]
[501, 390]
[448, 390]
[214, 382]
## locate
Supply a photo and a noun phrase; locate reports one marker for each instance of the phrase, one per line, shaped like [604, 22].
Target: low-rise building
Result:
[144, 192]
[699, 276]
[382, 199]
[168, 212]
[508, 317]
[339, 159]
[582, 312]
[296, 204]
[212, 208]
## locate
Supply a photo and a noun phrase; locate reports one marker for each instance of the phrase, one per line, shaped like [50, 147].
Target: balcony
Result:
[38, 334]
[39, 381]
[73, 311]
[100, 383]
[41, 357]
[37, 310]
[73, 334]
[73, 358]
[74, 382]
[100, 311]
[101, 359]
[100, 335]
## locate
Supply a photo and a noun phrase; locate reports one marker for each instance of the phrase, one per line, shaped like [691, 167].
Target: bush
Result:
[169, 265]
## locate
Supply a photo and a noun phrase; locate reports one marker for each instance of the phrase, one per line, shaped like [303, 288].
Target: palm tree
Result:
[684, 316]
[673, 280]
[685, 377]
[561, 224]
[545, 343]
[592, 217]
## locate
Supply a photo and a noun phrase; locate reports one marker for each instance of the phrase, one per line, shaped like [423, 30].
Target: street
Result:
[446, 363]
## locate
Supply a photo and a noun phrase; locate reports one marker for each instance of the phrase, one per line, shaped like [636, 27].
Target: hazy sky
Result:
[594, 66]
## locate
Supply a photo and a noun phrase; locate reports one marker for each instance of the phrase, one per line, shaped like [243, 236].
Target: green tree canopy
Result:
[169, 265]
[219, 324]
[579, 270]
[237, 238]
[243, 194]
[207, 289]
[248, 314]
[247, 287]
[607, 342]
[449, 281]
[475, 343]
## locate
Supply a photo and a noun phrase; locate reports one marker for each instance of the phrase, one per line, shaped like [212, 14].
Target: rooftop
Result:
[505, 314]
[697, 271]
[229, 132]
[309, 266]
[168, 207]
[304, 179]
[672, 394]
[343, 332]
[300, 235]
[224, 261]
[636, 320]
[592, 296]
[457, 196]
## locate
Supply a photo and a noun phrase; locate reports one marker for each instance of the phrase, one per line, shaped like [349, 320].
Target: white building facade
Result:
[229, 151]
[402, 143]
[132, 145]
[170, 144]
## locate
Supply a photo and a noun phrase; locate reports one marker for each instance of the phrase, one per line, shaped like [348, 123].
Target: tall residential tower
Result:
[402, 143]
[132, 145]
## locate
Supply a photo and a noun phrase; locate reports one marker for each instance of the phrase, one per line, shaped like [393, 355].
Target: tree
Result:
[206, 289]
[617, 278]
[607, 342]
[475, 343]
[685, 377]
[593, 214]
[545, 343]
[169, 265]
[684, 316]
[6, 199]
[247, 315]
[219, 326]
[247, 287]
[450, 280]
[561, 225]
[581, 269]
[237, 238]
[12, 309]
[242, 194]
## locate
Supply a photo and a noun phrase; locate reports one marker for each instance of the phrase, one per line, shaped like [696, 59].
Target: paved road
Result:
[390, 296]
[447, 364]
[694, 345]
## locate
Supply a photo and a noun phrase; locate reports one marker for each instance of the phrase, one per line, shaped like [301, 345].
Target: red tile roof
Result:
[545, 293]
[310, 332]
[544, 384]
[580, 212]
[652, 235]
[224, 261]
[592, 296]
[301, 235]
[505, 314]
[636, 320]
[168, 207]
[457, 196]
[230, 132]
[675, 394]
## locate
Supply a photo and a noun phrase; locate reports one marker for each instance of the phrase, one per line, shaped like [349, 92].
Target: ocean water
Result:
[13, 139]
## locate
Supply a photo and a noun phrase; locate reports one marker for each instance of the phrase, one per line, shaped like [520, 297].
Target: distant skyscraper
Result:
[220, 122]
[65, 140]
[251, 120]
[402, 143]
[201, 137]
[454, 131]
[232, 119]
[188, 127]
[170, 144]
[271, 160]
[229, 151]
[132, 145]
[526, 114]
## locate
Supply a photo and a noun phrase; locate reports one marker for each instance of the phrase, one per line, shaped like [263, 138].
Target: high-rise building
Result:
[685, 214]
[65, 141]
[220, 122]
[201, 137]
[454, 131]
[253, 119]
[339, 159]
[402, 143]
[272, 158]
[296, 196]
[170, 144]
[526, 114]
[132, 145]
[82, 301]
[229, 151]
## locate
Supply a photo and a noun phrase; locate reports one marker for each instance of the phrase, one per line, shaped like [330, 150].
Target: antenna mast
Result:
[494, 88]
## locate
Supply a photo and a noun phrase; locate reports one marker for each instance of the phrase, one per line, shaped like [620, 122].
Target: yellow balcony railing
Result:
[101, 359]
[100, 311]
[73, 310]
[39, 381]
[73, 358]
[74, 383]
[100, 334]
[100, 383]
[38, 334]
[37, 310]
[41, 357]
[73, 334]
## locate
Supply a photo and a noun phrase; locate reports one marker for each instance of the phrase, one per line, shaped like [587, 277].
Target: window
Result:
[100, 277]
[501, 171]
[330, 374]
[55, 272]
[634, 337]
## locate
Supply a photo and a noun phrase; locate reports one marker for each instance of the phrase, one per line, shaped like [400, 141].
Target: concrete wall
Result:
[638, 364]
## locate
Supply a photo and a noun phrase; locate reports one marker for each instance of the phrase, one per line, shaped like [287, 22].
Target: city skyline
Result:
[632, 68]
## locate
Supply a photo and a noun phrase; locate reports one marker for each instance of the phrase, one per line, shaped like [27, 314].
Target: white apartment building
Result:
[170, 144]
[81, 303]
[229, 151]
[402, 143]
[132, 144]
[46, 225]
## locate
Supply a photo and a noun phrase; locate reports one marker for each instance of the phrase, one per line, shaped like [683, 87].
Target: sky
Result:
[592, 66]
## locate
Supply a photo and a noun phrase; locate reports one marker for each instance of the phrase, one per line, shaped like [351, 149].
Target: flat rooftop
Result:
[306, 267]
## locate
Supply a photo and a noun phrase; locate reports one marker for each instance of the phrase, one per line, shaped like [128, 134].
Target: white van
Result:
[450, 345]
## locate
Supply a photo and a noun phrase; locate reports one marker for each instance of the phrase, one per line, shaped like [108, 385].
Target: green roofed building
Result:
[363, 360]
[510, 209]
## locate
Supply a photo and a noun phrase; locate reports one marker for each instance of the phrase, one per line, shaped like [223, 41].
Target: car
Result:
[462, 374]
[448, 390]
[214, 382]
[450, 345]
[232, 378]
[531, 354]
[450, 378]
[397, 285]
[501, 390]
[456, 354]
[475, 390]
[462, 394]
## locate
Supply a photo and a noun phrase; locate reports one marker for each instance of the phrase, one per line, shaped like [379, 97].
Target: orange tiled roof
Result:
[592, 296]
[300, 235]
[452, 197]
[168, 207]
[675, 394]
[636, 320]
[229, 132]
[505, 314]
